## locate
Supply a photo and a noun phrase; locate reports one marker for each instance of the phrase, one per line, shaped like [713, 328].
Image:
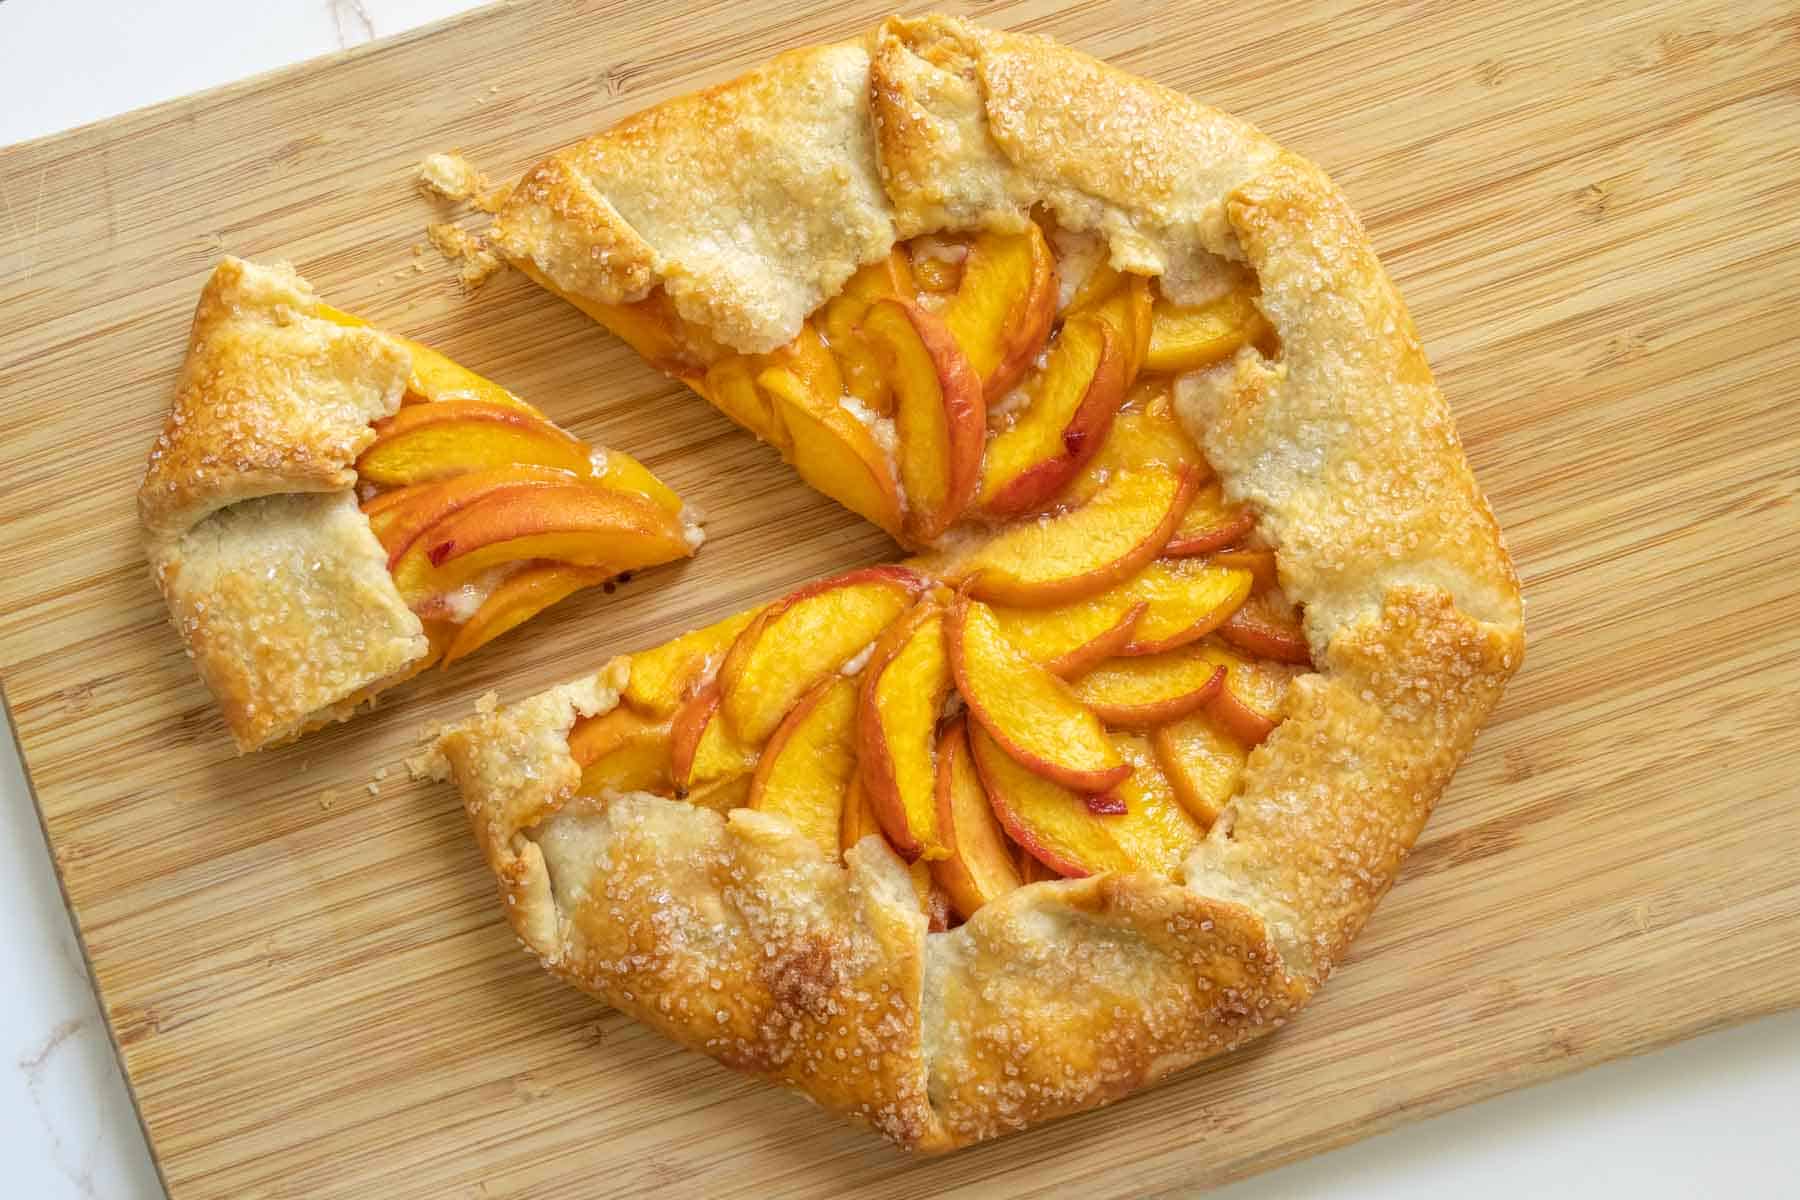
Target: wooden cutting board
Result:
[1595, 216]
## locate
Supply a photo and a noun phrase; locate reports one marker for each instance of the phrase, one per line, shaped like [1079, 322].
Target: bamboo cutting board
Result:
[1594, 212]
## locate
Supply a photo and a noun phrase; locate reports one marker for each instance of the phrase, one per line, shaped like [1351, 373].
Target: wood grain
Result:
[1594, 211]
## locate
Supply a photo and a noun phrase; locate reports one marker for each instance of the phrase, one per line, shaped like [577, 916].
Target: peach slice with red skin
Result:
[1084, 550]
[430, 441]
[888, 278]
[940, 419]
[1186, 599]
[803, 637]
[1210, 524]
[1026, 709]
[664, 676]
[1144, 433]
[1069, 639]
[622, 751]
[519, 598]
[980, 865]
[1128, 311]
[902, 694]
[400, 516]
[1268, 626]
[1203, 763]
[1004, 305]
[1071, 408]
[804, 773]
[1186, 339]
[702, 748]
[1258, 560]
[1249, 705]
[1144, 692]
[860, 822]
[1048, 821]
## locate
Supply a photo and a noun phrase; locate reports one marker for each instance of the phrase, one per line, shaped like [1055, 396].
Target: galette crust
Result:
[1059, 996]
[274, 580]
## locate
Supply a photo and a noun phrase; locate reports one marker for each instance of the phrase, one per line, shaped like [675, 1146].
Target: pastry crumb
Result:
[327, 798]
[419, 766]
[374, 789]
[487, 702]
[381, 773]
[457, 244]
[451, 176]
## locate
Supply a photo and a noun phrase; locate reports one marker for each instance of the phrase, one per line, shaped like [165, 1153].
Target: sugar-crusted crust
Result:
[273, 578]
[1059, 996]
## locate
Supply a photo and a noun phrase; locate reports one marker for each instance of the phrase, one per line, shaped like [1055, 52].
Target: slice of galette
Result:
[1205, 609]
[331, 509]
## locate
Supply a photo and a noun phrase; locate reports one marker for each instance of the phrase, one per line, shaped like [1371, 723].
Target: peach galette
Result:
[330, 509]
[1204, 609]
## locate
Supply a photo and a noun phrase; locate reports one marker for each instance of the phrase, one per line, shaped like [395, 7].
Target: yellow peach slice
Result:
[1258, 560]
[702, 749]
[1210, 524]
[1026, 709]
[1128, 311]
[980, 865]
[1249, 705]
[829, 447]
[1070, 638]
[1072, 405]
[1187, 599]
[519, 598]
[1155, 831]
[1144, 433]
[1085, 550]
[1203, 764]
[626, 474]
[1187, 339]
[940, 420]
[903, 691]
[730, 386]
[654, 329]
[1141, 693]
[722, 795]
[622, 751]
[805, 770]
[400, 516]
[807, 635]
[840, 321]
[1004, 305]
[431, 441]
[663, 676]
[1050, 822]
[1267, 625]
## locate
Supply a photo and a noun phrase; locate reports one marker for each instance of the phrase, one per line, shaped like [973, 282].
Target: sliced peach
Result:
[1101, 282]
[1141, 693]
[1085, 550]
[702, 747]
[1187, 339]
[1069, 639]
[722, 795]
[1268, 626]
[730, 386]
[626, 474]
[864, 375]
[903, 691]
[1155, 831]
[1249, 705]
[519, 598]
[1004, 305]
[1210, 524]
[1187, 599]
[1030, 869]
[937, 262]
[400, 516]
[1026, 709]
[980, 865]
[860, 822]
[1203, 764]
[1128, 311]
[828, 446]
[804, 637]
[1258, 560]
[1072, 405]
[663, 676]
[654, 329]
[940, 419]
[622, 751]
[1049, 821]
[804, 773]
[1145, 433]
[431, 441]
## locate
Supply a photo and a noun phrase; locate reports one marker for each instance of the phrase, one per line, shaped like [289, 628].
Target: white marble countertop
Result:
[1712, 1117]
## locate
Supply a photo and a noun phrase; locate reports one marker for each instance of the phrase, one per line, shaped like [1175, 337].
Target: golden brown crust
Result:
[273, 578]
[1062, 996]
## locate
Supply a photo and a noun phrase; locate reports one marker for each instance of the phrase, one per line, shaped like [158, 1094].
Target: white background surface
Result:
[1715, 1117]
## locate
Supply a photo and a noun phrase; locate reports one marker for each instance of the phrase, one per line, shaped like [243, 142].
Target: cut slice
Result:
[1084, 551]
[702, 748]
[1210, 524]
[1258, 560]
[1267, 625]
[1026, 709]
[431, 441]
[1155, 831]
[1145, 433]
[903, 692]
[1203, 763]
[805, 770]
[940, 420]
[832, 450]
[1141, 693]
[1072, 405]
[519, 598]
[663, 676]
[400, 516]
[1004, 305]
[619, 470]
[864, 375]
[730, 386]
[622, 751]
[1186, 600]
[804, 637]
[1049, 821]
[980, 865]
[1071, 638]
[1187, 339]
[1128, 310]
[1249, 705]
